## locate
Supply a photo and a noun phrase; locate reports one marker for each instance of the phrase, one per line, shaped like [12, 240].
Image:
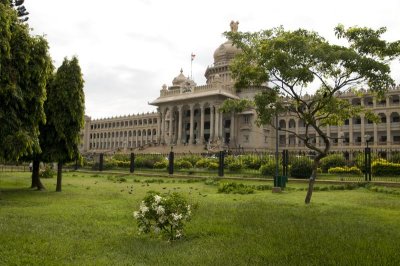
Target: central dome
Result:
[225, 52]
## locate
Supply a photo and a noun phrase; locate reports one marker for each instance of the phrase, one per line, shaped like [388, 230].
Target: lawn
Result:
[91, 223]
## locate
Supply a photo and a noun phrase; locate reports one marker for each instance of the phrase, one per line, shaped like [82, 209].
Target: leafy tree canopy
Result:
[292, 63]
[25, 66]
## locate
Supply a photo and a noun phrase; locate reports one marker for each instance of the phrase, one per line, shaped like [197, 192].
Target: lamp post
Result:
[367, 160]
[276, 185]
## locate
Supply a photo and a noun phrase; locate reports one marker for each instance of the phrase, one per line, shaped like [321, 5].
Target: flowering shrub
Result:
[345, 170]
[163, 214]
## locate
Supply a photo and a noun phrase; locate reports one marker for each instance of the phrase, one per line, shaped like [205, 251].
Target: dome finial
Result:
[234, 26]
[181, 70]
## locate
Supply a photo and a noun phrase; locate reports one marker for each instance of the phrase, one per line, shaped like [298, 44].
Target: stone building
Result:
[188, 119]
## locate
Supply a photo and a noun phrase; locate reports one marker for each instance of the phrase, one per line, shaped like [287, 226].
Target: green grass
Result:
[91, 223]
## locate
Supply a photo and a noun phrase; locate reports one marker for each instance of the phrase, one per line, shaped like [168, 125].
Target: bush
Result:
[229, 160]
[202, 163]
[47, 172]
[359, 160]
[164, 214]
[301, 168]
[235, 188]
[193, 159]
[213, 166]
[251, 161]
[383, 168]
[269, 169]
[183, 164]
[332, 160]
[235, 166]
[161, 165]
[395, 157]
[345, 170]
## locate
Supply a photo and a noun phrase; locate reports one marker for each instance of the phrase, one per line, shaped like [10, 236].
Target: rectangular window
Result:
[207, 125]
[246, 119]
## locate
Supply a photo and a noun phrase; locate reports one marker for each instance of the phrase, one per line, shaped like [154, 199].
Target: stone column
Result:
[159, 128]
[171, 116]
[362, 128]
[388, 132]
[217, 123]
[232, 130]
[191, 138]
[211, 122]
[180, 110]
[201, 138]
[163, 126]
[351, 137]
[375, 134]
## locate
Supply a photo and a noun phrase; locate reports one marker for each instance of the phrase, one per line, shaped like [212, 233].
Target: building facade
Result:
[188, 118]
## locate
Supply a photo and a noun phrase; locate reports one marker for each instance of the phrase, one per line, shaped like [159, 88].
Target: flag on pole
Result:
[193, 56]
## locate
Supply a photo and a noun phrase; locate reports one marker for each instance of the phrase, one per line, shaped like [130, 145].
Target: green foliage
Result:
[203, 163]
[164, 214]
[251, 161]
[235, 166]
[384, 168]
[182, 164]
[301, 168]
[236, 105]
[25, 66]
[47, 172]
[148, 160]
[213, 166]
[345, 170]
[235, 188]
[395, 157]
[65, 110]
[193, 159]
[161, 165]
[359, 160]
[269, 169]
[332, 160]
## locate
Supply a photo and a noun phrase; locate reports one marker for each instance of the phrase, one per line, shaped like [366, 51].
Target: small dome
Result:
[225, 52]
[179, 80]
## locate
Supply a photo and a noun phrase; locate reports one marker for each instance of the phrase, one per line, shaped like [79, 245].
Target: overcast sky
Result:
[129, 49]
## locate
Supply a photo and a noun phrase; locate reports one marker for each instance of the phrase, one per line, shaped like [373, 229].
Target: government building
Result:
[188, 120]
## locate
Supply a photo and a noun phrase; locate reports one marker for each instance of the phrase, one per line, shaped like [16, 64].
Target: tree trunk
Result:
[313, 177]
[36, 183]
[59, 176]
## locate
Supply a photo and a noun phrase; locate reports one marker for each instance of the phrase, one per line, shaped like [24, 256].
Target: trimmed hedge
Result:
[382, 167]
[331, 161]
[301, 168]
[345, 170]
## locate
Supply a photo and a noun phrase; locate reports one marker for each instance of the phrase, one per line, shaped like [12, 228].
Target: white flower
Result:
[162, 219]
[160, 210]
[136, 215]
[176, 216]
[144, 208]
[157, 199]
[157, 229]
[178, 234]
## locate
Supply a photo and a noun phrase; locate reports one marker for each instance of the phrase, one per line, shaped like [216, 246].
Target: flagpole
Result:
[191, 66]
[192, 56]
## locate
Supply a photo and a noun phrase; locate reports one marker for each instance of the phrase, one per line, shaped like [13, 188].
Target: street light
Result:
[367, 161]
[273, 107]
[367, 139]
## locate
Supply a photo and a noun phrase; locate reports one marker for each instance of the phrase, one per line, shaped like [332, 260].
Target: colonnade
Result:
[194, 124]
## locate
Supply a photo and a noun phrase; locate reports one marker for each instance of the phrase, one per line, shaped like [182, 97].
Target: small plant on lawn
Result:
[235, 188]
[47, 172]
[163, 214]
